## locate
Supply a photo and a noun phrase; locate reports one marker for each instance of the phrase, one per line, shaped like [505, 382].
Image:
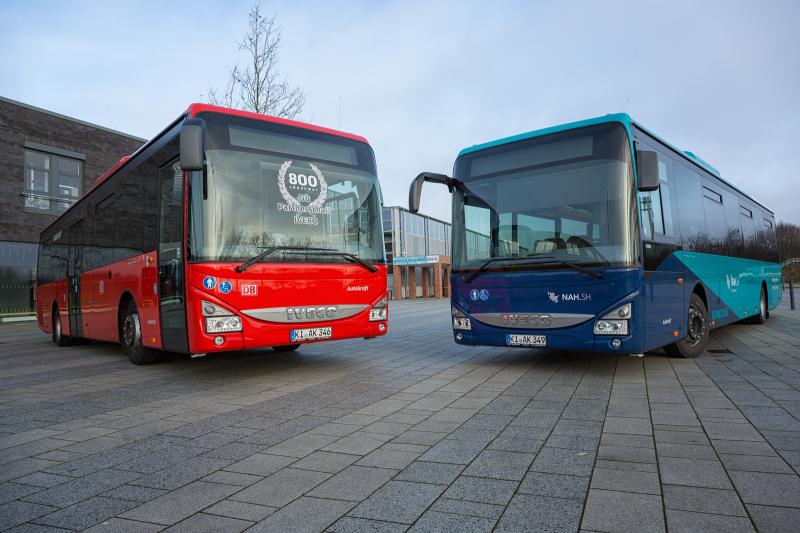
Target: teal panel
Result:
[735, 281]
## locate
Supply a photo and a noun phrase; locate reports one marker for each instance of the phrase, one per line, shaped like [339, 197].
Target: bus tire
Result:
[286, 348]
[59, 339]
[763, 311]
[696, 339]
[131, 338]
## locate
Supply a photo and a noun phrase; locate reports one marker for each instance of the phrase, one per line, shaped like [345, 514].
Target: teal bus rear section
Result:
[557, 244]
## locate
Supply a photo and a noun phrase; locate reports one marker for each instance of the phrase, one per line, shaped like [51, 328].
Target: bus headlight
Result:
[611, 327]
[223, 324]
[621, 312]
[378, 311]
[462, 323]
[460, 320]
[210, 309]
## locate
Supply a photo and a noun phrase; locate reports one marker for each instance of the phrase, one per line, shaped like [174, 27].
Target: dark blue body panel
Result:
[556, 291]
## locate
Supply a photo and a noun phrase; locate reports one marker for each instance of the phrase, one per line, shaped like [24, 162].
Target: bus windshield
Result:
[270, 185]
[562, 198]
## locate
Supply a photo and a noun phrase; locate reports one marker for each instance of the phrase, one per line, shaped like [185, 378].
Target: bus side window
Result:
[716, 226]
[690, 208]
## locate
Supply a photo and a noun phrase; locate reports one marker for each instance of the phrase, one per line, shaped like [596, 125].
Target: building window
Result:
[52, 182]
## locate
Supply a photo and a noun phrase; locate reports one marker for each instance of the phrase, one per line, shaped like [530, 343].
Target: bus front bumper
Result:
[580, 337]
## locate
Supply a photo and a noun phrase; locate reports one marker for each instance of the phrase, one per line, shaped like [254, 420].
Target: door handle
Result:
[109, 274]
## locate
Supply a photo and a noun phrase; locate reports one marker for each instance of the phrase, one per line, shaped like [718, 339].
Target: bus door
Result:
[171, 282]
[664, 293]
[74, 270]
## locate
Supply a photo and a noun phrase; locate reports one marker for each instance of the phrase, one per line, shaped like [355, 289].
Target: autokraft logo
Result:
[533, 320]
[358, 288]
[311, 313]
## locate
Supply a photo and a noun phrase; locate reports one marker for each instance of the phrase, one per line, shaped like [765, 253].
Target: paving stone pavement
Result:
[407, 432]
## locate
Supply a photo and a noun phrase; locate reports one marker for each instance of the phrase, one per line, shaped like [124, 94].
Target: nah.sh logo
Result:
[249, 289]
[553, 297]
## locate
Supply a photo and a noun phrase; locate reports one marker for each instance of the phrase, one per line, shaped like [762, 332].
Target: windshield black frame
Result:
[359, 221]
[610, 237]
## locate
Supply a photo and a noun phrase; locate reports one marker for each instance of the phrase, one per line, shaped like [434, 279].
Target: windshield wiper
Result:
[534, 259]
[591, 273]
[351, 257]
[301, 249]
[272, 249]
[475, 273]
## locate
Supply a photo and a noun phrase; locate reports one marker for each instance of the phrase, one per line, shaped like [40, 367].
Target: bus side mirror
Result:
[647, 170]
[192, 144]
[415, 191]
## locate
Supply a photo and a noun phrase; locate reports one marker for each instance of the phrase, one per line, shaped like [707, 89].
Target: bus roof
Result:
[628, 122]
[192, 111]
[195, 109]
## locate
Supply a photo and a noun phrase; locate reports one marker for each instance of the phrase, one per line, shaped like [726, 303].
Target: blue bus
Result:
[598, 235]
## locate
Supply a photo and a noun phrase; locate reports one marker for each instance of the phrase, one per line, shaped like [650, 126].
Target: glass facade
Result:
[17, 275]
[407, 234]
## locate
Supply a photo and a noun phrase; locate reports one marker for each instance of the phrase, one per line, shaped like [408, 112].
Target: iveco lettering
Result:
[598, 235]
[252, 231]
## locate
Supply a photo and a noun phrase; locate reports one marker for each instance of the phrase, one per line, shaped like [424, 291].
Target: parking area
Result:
[405, 432]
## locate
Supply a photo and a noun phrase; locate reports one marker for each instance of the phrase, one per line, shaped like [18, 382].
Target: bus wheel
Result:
[131, 337]
[696, 339]
[286, 348]
[59, 339]
[763, 312]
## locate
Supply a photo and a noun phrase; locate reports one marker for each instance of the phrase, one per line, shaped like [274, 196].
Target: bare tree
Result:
[258, 86]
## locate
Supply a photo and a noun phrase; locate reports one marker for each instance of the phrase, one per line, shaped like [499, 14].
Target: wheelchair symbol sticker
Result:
[484, 295]
[225, 287]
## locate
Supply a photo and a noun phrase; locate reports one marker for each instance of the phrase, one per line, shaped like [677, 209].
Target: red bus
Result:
[229, 230]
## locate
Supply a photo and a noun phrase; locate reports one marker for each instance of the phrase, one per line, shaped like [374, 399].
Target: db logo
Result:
[249, 289]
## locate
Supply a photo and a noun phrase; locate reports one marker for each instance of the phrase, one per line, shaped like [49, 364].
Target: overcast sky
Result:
[421, 80]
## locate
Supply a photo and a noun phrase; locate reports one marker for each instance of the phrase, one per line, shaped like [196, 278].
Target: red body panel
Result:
[282, 285]
[49, 296]
[102, 290]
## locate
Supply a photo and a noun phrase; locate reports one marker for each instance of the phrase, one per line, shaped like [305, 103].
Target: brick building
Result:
[47, 161]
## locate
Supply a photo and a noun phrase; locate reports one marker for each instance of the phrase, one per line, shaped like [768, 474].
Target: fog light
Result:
[218, 340]
[223, 323]
[381, 327]
[459, 336]
[611, 327]
[616, 343]
[462, 323]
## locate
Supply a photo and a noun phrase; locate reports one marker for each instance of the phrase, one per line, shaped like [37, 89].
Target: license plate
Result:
[538, 341]
[310, 334]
